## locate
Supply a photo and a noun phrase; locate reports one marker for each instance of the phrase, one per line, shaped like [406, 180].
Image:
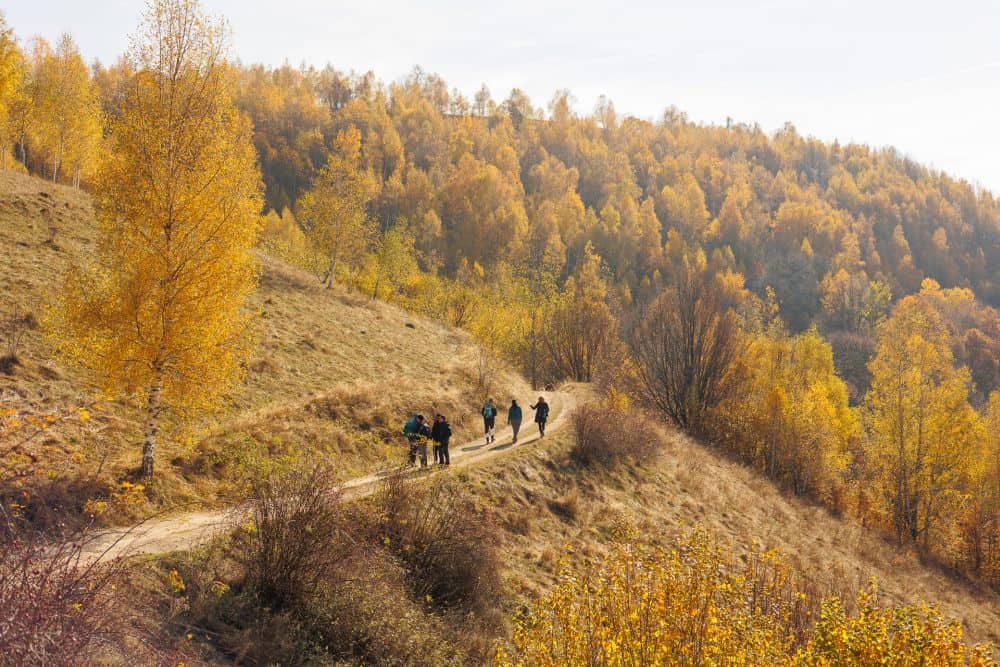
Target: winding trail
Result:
[188, 530]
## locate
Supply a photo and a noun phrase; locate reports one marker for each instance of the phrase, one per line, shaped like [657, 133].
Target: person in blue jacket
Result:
[490, 421]
[514, 417]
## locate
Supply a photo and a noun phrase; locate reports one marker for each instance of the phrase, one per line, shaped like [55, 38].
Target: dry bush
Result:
[605, 435]
[685, 348]
[299, 585]
[448, 547]
[13, 329]
[265, 364]
[55, 609]
[370, 617]
[297, 537]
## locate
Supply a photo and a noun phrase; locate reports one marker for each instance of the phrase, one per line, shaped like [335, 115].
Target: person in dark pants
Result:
[514, 416]
[441, 435]
[541, 409]
[490, 421]
[436, 446]
[417, 432]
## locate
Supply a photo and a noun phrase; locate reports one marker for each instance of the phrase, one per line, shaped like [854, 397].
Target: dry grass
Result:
[333, 376]
[547, 504]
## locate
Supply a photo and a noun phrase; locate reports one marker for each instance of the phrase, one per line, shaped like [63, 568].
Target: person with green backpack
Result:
[489, 421]
[417, 432]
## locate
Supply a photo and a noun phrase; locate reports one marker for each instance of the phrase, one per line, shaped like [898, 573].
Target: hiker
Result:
[541, 409]
[441, 435]
[514, 416]
[489, 421]
[436, 455]
[417, 432]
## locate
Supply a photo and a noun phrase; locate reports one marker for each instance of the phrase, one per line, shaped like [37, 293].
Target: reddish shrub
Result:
[55, 608]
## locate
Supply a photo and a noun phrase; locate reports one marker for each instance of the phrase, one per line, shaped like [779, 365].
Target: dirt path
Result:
[184, 531]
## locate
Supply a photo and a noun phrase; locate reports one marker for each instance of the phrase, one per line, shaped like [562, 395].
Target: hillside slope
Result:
[551, 508]
[548, 510]
[333, 374]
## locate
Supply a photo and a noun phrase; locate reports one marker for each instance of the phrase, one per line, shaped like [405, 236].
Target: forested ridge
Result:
[832, 234]
[785, 210]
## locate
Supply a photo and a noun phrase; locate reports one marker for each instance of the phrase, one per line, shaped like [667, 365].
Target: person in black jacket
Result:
[441, 435]
[541, 409]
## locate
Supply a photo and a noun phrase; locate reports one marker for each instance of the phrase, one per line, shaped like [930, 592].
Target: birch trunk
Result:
[152, 427]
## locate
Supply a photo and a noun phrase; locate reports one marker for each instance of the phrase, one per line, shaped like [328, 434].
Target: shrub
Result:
[690, 605]
[13, 328]
[301, 584]
[605, 435]
[55, 608]
[448, 547]
[898, 635]
[296, 537]
[649, 606]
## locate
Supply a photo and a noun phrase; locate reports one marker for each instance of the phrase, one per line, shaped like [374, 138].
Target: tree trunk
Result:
[331, 273]
[152, 427]
[533, 350]
[57, 162]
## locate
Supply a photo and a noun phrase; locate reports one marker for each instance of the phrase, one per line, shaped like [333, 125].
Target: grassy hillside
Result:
[547, 510]
[551, 508]
[333, 374]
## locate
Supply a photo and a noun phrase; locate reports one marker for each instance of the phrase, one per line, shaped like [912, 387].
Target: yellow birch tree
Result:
[159, 313]
[922, 427]
[11, 77]
[335, 209]
[66, 109]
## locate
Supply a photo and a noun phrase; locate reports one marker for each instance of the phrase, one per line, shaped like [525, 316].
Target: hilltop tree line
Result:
[825, 312]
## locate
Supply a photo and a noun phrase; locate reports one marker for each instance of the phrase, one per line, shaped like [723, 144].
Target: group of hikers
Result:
[418, 431]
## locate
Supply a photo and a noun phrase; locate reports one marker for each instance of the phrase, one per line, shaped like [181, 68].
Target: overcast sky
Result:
[922, 76]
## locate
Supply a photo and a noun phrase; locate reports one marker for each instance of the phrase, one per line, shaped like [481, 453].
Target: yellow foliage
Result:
[649, 606]
[177, 584]
[282, 237]
[791, 415]
[158, 313]
[686, 605]
[895, 635]
[923, 429]
[334, 211]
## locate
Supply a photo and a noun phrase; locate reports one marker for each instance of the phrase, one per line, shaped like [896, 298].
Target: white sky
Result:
[922, 76]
